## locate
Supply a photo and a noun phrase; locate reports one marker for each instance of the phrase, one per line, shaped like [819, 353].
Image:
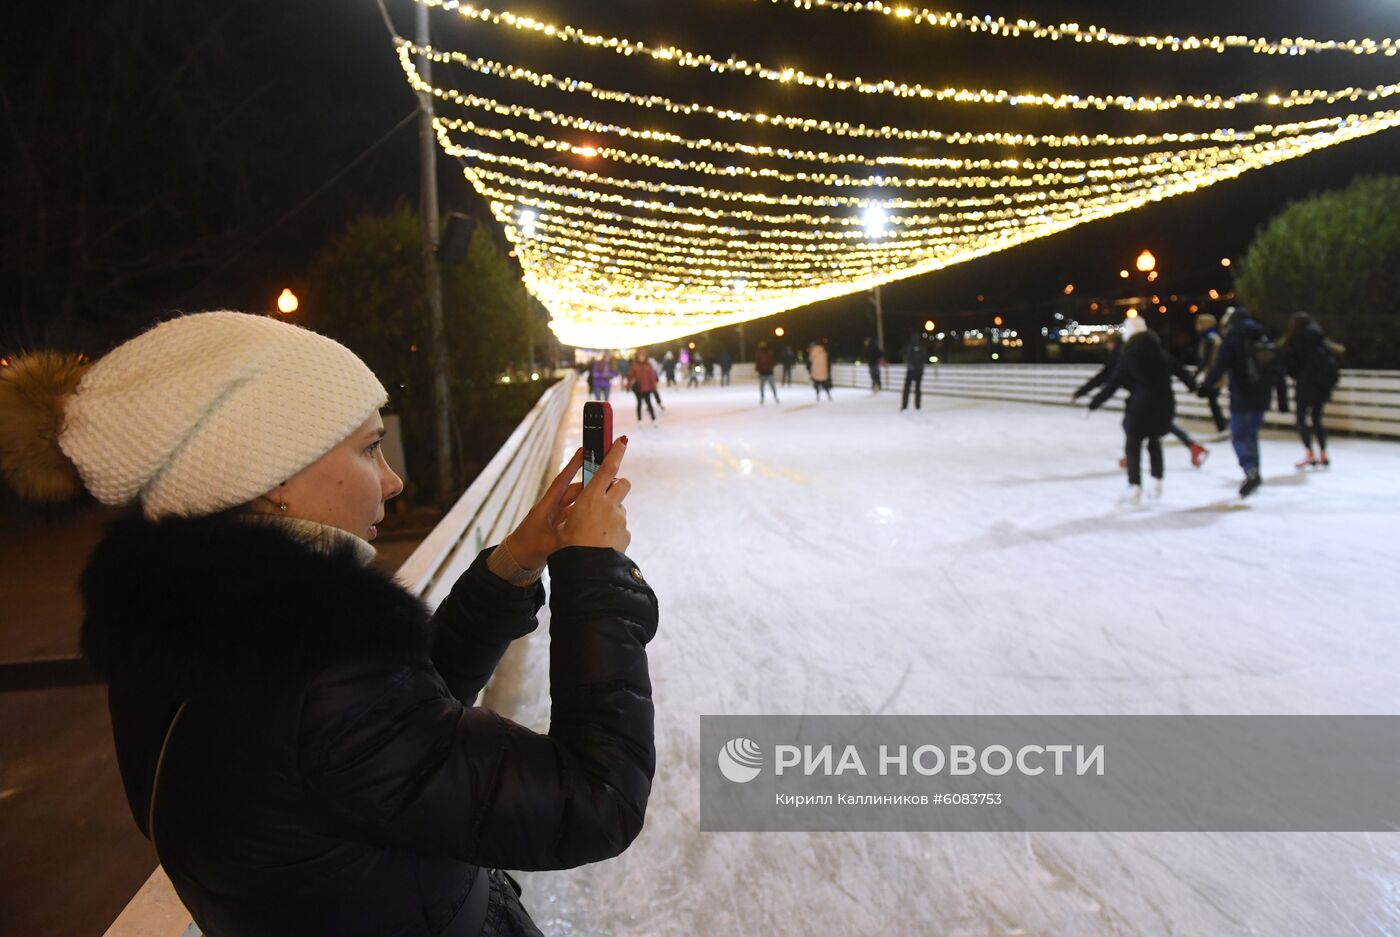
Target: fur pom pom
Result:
[33, 391]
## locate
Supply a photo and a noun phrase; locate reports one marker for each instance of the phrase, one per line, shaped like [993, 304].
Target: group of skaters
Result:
[1234, 353]
[642, 374]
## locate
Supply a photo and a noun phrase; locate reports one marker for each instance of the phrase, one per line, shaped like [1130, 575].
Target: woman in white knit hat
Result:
[295, 731]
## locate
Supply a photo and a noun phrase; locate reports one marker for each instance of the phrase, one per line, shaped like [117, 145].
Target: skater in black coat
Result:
[1311, 360]
[1146, 370]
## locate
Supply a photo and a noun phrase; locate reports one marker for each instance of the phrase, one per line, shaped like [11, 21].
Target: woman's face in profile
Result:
[348, 486]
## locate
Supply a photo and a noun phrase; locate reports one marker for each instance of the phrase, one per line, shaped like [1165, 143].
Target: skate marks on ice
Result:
[1006, 534]
[912, 572]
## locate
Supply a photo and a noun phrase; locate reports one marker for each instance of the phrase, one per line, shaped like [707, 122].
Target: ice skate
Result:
[1252, 481]
[1308, 461]
[1131, 498]
[1323, 461]
[1123, 463]
[1199, 454]
[1154, 491]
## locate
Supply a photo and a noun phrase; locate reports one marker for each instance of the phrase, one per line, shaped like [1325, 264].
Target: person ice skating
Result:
[915, 354]
[763, 362]
[1254, 366]
[668, 366]
[874, 358]
[1114, 341]
[788, 359]
[600, 378]
[641, 378]
[294, 729]
[1310, 358]
[1146, 370]
[819, 364]
[726, 365]
[1207, 349]
[697, 367]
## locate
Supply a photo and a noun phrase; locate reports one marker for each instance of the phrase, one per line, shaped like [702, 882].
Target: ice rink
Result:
[846, 558]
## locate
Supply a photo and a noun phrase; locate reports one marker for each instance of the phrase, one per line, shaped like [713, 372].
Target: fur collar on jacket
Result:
[211, 603]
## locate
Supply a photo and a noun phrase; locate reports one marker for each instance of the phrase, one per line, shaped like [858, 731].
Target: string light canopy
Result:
[640, 217]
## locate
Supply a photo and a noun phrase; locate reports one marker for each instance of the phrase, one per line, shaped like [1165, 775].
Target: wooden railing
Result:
[1365, 402]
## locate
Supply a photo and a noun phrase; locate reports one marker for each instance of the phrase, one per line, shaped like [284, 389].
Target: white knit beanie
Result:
[1133, 325]
[208, 411]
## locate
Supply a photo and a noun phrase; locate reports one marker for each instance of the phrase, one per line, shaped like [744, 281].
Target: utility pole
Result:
[879, 320]
[432, 269]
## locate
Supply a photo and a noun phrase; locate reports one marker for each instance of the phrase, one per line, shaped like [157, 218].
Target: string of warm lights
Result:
[727, 196]
[630, 232]
[1160, 164]
[698, 60]
[1000, 26]
[598, 303]
[569, 84]
[1257, 153]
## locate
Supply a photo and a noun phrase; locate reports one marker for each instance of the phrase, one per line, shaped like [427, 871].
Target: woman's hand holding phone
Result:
[596, 517]
[570, 514]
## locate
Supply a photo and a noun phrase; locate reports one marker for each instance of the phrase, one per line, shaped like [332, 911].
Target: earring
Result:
[282, 506]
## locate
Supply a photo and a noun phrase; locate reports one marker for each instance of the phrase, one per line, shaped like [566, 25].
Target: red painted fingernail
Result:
[623, 440]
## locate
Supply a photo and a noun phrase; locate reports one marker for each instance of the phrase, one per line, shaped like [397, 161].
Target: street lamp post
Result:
[432, 270]
[876, 220]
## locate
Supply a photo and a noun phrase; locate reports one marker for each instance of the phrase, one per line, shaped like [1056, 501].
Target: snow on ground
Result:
[846, 558]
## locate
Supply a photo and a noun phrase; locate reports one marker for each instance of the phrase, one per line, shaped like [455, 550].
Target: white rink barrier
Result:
[496, 501]
[1365, 402]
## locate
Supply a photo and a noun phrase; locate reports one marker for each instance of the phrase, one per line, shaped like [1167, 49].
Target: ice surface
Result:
[846, 558]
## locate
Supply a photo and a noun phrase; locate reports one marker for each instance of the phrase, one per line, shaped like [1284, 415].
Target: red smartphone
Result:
[597, 435]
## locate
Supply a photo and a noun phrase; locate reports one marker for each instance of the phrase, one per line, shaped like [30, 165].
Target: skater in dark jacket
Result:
[915, 354]
[1146, 370]
[295, 730]
[874, 357]
[1311, 360]
[1199, 453]
[763, 363]
[1250, 389]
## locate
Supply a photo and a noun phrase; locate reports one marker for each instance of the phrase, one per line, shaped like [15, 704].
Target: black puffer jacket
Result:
[1312, 364]
[1146, 370]
[329, 774]
[1233, 360]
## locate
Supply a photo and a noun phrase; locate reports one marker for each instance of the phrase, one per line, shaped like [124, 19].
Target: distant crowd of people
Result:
[1232, 352]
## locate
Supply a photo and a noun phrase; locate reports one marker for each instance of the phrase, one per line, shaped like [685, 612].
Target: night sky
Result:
[161, 155]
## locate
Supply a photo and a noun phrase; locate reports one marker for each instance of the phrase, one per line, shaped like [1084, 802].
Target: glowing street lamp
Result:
[928, 325]
[287, 302]
[1224, 261]
[876, 220]
[779, 331]
[1146, 263]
